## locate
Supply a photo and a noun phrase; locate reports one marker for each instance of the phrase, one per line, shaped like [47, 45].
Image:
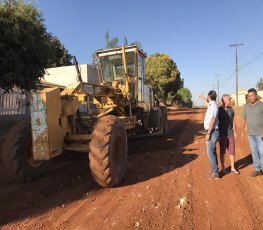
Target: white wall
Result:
[67, 75]
[260, 93]
[241, 99]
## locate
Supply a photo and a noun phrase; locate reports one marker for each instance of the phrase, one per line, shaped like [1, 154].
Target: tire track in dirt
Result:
[39, 190]
[165, 187]
[173, 210]
[219, 204]
[102, 213]
[251, 189]
[49, 192]
[187, 207]
[251, 209]
[168, 195]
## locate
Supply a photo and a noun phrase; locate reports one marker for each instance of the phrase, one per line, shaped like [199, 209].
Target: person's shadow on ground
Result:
[240, 164]
[244, 162]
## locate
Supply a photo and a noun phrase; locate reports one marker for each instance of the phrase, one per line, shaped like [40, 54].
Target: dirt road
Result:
[165, 187]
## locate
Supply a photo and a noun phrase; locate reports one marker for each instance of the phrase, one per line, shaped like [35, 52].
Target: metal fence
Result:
[14, 105]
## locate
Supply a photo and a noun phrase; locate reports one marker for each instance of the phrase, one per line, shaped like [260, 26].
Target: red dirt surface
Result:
[165, 187]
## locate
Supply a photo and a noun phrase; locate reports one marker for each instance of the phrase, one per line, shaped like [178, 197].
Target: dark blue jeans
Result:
[211, 150]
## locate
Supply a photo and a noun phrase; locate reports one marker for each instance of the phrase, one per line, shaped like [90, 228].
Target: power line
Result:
[242, 67]
[247, 17]
[228, 78]
[250, 18]
[217, 75]
[252, 60]
[236, 45]
[246, 32]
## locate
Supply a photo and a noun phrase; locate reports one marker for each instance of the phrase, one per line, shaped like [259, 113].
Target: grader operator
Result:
[120, 106]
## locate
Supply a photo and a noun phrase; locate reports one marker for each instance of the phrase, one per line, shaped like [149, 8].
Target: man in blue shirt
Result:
[212, 132]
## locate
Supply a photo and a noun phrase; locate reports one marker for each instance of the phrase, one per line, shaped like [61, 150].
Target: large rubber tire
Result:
[108, 151]
[18, 156]
[156, 120]
[165, 118]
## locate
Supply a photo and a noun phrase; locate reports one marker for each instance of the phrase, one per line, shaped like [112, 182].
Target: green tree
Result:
[184, 97]
[113, 43]
[126, 43]
[109, 44]
[138, 44]
[163, 74]
[61, 56]
[260, 84]
[25, 47]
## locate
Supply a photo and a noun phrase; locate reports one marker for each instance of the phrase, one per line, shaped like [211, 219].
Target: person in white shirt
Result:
[212, 131]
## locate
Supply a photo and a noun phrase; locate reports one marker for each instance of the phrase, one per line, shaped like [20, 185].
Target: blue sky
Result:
[196, 34]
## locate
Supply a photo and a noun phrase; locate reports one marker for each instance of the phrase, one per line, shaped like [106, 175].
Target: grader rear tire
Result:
[165, 118]
[108, 151]
[17, 154]
[156, 120]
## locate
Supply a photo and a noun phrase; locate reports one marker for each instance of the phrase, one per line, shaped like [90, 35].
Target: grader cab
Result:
[120, 106]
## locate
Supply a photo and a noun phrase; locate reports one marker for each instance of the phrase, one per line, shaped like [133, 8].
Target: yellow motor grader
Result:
[120, 106]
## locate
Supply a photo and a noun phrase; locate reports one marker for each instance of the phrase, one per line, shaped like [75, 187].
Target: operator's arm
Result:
[204, 100]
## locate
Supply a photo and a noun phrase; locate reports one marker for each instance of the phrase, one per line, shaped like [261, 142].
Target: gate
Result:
[14, 105]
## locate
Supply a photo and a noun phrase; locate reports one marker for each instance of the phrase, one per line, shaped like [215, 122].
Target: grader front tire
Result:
[18, 156]
[108, 151]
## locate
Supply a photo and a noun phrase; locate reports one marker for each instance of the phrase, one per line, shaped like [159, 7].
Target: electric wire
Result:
[241, 67]
[250, 18]
[251, 61]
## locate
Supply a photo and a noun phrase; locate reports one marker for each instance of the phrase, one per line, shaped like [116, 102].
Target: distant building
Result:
[260, 94]
[242, 97]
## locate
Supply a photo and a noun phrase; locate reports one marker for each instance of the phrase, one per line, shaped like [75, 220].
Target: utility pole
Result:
[218, 90]
[218, 97]
[236, 45]
[213, 85]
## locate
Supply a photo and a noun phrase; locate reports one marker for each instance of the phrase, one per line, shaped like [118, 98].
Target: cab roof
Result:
[118, 50]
